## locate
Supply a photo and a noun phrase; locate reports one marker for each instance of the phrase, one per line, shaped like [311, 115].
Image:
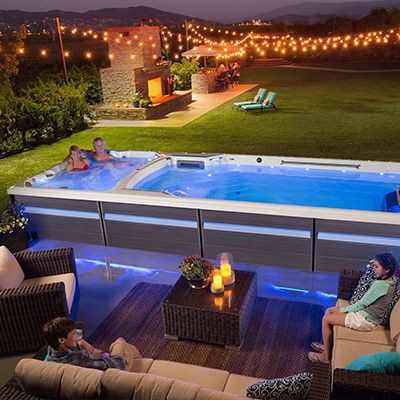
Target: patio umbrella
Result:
[209, 51]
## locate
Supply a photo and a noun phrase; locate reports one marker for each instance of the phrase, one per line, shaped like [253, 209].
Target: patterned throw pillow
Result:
[294, 387]
[365, 283]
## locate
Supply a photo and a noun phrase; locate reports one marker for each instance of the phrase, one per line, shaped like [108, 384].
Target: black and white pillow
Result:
[294, 387]
[365, 282]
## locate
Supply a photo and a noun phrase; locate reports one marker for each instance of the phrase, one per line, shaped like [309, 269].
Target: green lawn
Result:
[320, 114]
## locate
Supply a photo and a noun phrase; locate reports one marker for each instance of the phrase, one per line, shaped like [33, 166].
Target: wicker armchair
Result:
[351, 385]
[24, 310]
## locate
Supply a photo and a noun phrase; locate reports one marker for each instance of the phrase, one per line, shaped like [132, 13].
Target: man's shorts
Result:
[356, 321]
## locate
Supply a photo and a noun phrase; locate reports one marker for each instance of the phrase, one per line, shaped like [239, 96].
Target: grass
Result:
[320, 114]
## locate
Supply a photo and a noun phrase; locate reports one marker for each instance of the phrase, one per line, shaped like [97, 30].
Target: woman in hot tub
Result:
[76, 162]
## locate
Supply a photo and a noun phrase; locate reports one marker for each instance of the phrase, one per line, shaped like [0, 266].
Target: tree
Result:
[10, 48]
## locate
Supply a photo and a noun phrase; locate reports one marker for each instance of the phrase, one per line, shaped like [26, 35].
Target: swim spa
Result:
[174, 203]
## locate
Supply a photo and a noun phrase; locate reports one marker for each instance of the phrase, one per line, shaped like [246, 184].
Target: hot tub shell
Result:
[298, 237]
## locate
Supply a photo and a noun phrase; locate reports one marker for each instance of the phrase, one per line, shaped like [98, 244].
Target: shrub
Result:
[183, 72]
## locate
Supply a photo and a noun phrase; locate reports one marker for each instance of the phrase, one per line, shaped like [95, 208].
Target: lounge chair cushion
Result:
[69, 283]
[11, 273]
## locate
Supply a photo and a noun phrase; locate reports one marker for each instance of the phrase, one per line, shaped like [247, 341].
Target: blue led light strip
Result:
[138, 219]
[259, 230]
[363, 239]
[59, 212]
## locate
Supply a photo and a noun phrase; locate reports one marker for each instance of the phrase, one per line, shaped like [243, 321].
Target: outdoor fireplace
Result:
[135, 54]
[137, 66]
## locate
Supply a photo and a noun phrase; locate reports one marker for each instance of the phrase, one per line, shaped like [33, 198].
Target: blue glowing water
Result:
[103, 175]
[278, 185]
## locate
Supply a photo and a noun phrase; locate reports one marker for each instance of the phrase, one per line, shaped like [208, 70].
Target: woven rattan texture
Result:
[321, 382]
[46, 262]
[365, 385]
[347, 283]
[200, 315]
[24, 310]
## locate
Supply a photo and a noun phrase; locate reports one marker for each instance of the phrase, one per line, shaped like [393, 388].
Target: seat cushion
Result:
[395, 322]
[210, 378]
[238, 384]
[380, 335]
[68, 279]
[11, 273]
[54, 380]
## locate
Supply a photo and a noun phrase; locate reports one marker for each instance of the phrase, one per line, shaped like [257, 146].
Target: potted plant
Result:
[12, 225]
[136, 99]
[145, 103]
[197, 271]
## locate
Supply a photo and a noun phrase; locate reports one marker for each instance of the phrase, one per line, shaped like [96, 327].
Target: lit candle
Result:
[226, 270]
[217, 286]
[217, 280]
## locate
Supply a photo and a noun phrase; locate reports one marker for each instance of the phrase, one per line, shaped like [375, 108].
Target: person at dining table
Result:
[76, 161]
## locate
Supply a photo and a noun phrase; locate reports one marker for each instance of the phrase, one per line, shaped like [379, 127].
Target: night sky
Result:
[207, 9]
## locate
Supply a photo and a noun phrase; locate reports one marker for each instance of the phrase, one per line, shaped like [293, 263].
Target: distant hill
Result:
[320, 11]
[96, 19]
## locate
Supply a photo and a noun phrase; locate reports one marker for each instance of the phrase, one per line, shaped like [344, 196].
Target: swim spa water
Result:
[278, 185]
[103, 175]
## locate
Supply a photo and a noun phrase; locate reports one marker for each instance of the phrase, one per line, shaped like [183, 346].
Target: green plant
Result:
[136, 99]
[144, 103]
[12, 218]
[196, 267]
[183, 72]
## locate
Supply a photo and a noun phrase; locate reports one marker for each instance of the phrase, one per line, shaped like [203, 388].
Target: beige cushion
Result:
[141, 364]
[395, 322]
[68, 279]
[379, 335]
[238, 384]
[11, 274]
[53, 380]
[210, 378]
[118, 384]
[345, 351]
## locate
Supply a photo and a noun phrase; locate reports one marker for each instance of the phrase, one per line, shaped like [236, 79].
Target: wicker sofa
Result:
[350, 344]
[50, 289]
[149, 379]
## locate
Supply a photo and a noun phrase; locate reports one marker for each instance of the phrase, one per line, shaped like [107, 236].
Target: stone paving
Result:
[202, 103]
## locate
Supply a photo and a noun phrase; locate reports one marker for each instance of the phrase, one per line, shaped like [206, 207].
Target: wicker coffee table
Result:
[200, 315]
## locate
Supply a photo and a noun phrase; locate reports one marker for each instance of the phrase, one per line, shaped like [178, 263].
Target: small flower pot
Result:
[198, 283]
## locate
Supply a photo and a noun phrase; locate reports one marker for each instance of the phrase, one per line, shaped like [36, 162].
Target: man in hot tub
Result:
[99, 153]
[396, 207]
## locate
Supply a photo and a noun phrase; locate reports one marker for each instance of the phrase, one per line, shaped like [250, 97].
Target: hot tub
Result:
[309, 214]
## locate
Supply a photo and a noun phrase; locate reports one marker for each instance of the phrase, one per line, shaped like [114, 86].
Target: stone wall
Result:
[154, 112]
[203, 83]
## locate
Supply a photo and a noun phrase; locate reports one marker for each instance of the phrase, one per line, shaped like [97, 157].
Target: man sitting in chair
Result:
[65, 346]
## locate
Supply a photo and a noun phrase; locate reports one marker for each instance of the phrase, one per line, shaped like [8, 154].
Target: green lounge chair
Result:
[260, 96]
[265, 105]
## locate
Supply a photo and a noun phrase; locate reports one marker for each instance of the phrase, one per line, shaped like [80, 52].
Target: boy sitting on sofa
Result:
[66, 347]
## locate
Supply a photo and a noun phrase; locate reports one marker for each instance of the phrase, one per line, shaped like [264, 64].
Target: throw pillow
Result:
[379, 363]
[294, 387]
[365, 282]
[11, 274]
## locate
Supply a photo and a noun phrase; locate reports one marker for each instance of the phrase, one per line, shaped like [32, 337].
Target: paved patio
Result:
[202, 103]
